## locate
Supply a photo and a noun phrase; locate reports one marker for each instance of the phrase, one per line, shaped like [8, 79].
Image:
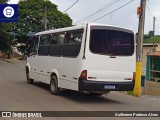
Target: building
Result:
[147, 49]
[152, 83]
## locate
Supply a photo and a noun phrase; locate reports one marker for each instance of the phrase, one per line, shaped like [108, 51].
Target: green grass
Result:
[130, 93]
[150, 39]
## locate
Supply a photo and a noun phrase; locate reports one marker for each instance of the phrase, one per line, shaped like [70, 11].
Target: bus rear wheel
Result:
[54, 89]
[96, 93]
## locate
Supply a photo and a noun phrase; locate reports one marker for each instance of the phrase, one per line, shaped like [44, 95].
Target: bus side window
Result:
[72, 43]
[56, 44]
[44, 45]
[33, 45]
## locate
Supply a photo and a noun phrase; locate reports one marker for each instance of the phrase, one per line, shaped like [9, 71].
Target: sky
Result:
[125, 17]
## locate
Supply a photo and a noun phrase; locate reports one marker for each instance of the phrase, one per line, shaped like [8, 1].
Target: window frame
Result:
[80, 43]
[59, 33]
[33, 40]
[112, 29]
[63, 43]
[46, 45]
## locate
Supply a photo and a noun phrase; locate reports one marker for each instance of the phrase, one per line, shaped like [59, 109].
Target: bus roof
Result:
[59, 30]
[78, 27]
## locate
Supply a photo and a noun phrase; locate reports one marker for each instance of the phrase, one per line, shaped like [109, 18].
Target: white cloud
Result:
[125, 17]
[13, 1]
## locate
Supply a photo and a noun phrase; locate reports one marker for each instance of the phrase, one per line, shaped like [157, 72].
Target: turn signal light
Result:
[139, 10]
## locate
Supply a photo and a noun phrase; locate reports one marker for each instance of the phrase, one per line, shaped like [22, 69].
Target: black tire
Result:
[54, 89]
[29, 80]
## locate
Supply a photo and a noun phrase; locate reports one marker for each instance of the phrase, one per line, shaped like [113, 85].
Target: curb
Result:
[7, 60]
[154, 99]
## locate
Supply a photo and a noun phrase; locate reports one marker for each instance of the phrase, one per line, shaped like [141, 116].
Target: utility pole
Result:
[154, 18]
[137, 88]
[45, 18]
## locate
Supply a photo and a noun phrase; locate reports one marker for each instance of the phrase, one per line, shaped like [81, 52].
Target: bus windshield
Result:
[111, 42]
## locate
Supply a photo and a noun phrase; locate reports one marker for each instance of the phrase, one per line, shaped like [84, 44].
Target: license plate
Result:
[112, 87]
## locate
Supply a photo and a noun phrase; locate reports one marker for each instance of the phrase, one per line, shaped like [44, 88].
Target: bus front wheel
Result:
[54, 89]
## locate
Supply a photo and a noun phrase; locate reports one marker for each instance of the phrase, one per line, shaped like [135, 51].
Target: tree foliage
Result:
[5, 37]
[149, 39]
[32, 14]
[31, 18]
[3, 1]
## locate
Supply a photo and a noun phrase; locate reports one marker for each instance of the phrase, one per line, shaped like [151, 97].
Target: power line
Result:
[157, 19]
[99, 10]
[71, 6]
[113, 11]
[149, 11]
[150, 16]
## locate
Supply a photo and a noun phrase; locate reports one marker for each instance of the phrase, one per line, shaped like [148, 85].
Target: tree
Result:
[32, 14]
[31, 18]
[3, 1]
[5, 37]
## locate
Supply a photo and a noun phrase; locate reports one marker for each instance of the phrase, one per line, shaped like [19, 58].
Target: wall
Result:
[152, 88]
[146, 50]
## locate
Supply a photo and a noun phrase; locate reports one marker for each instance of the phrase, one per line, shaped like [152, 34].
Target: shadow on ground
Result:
[82, 97]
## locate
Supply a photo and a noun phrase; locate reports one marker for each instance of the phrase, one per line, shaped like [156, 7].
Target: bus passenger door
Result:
[70, 59]
[32, 58]
[43, 56]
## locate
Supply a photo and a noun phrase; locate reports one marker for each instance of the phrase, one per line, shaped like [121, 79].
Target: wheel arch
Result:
[28, 68]
[54, 73]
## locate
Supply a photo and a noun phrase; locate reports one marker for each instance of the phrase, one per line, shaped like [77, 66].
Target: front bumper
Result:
[88, 85]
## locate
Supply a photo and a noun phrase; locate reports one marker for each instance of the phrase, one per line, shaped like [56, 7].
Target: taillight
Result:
[83, 74]
[134, 75]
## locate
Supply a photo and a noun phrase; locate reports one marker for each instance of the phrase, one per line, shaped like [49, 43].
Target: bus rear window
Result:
[111, 42]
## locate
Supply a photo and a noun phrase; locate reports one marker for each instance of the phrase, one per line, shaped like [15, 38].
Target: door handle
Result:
[112, 56]
[74, 78]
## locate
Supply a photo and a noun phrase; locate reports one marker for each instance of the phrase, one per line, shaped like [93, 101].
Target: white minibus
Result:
[94, 58]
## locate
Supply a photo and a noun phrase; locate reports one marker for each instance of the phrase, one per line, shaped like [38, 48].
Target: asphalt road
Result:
[17, 95]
